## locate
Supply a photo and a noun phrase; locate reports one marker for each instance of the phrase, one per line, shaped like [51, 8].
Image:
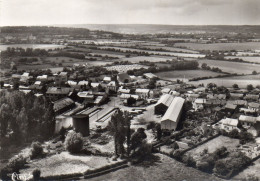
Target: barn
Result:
[172, 116]
[162, 105]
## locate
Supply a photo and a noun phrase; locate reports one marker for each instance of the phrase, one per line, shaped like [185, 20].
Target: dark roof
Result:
[62, 103]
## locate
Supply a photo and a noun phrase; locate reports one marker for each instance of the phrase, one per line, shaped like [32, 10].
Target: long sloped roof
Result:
[174, 110]
[62, 103]
[165, 99]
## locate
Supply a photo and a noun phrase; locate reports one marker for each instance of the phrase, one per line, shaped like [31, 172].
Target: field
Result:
[125, 68]
[159, 167]
[241, 81]
[149, 59]
[222, 46]
[214, 144]
[251, 170]
[245, 58]
[41, 46]
[186, 74]
[232, 67]
[158, 52]
[65, 163]
[172, 49]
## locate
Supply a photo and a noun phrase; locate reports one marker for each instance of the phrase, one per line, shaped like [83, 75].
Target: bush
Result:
[74, 142]
[189, 161]
[203, 166]
[36, 174]
[36, 150]
[151, 125]
[16, 163]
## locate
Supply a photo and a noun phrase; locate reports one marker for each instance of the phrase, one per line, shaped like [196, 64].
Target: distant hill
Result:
[153, 29]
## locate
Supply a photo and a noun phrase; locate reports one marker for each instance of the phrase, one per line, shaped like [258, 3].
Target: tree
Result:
[74, 142]
[235, 86]
[204, 66]
[131, 101]
[119, 126]
[254, 72]
[250, 87]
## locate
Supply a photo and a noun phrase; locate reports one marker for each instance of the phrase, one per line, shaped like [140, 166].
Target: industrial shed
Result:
[162, 105]
[172, 116]
[63, 105]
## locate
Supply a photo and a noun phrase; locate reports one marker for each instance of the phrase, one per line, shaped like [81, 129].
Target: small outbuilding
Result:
[81, 124]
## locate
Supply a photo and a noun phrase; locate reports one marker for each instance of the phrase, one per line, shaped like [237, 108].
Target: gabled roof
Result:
[174, 110]
[230, 106]
[63, 74]
[83, 82]
[229, 122]
[249, 119]
[56, 90]
[165, 99]
[150, 75]
[143, 91]
[254, 104]
[62, 103]
[200, 101]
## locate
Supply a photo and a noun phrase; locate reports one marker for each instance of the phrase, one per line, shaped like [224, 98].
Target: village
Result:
[183, 121]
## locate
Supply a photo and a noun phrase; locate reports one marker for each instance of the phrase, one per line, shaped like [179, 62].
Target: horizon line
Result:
[134, 24]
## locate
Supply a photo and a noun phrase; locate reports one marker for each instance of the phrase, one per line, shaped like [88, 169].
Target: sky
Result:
[174, 12]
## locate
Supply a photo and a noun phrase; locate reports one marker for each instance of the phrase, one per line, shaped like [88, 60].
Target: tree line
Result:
[24, 117]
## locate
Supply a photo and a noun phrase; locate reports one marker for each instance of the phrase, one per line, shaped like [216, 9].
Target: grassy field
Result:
[248, 59]
[232, 67]
[65, 163]
[212, 145]
[158, 167]
[187, 74]
[150, 59]
[241, 81]
[41, 46]
[158, 52]
[222, 46]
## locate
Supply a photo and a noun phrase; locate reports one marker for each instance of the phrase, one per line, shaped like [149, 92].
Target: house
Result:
[107, 79]
[251, 123]
[143, 93]
[124, 91]
[61, 78]
[123, 78]
[251, 97]
[198, 104]
[25, 77]
[42, 77]
[126, 96]
[236, 96]
[163, 104]
[174, 93]
[36, 87]
[227, 124]
[150, 76]
[254, 106]
[62, 105]
[192, 96]
[166, 90]
[172, 116]
[99, 100]
[230, 108]
[199, 89]
[112, 86]
[247, 120]
[55, 93]
[216, 96]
